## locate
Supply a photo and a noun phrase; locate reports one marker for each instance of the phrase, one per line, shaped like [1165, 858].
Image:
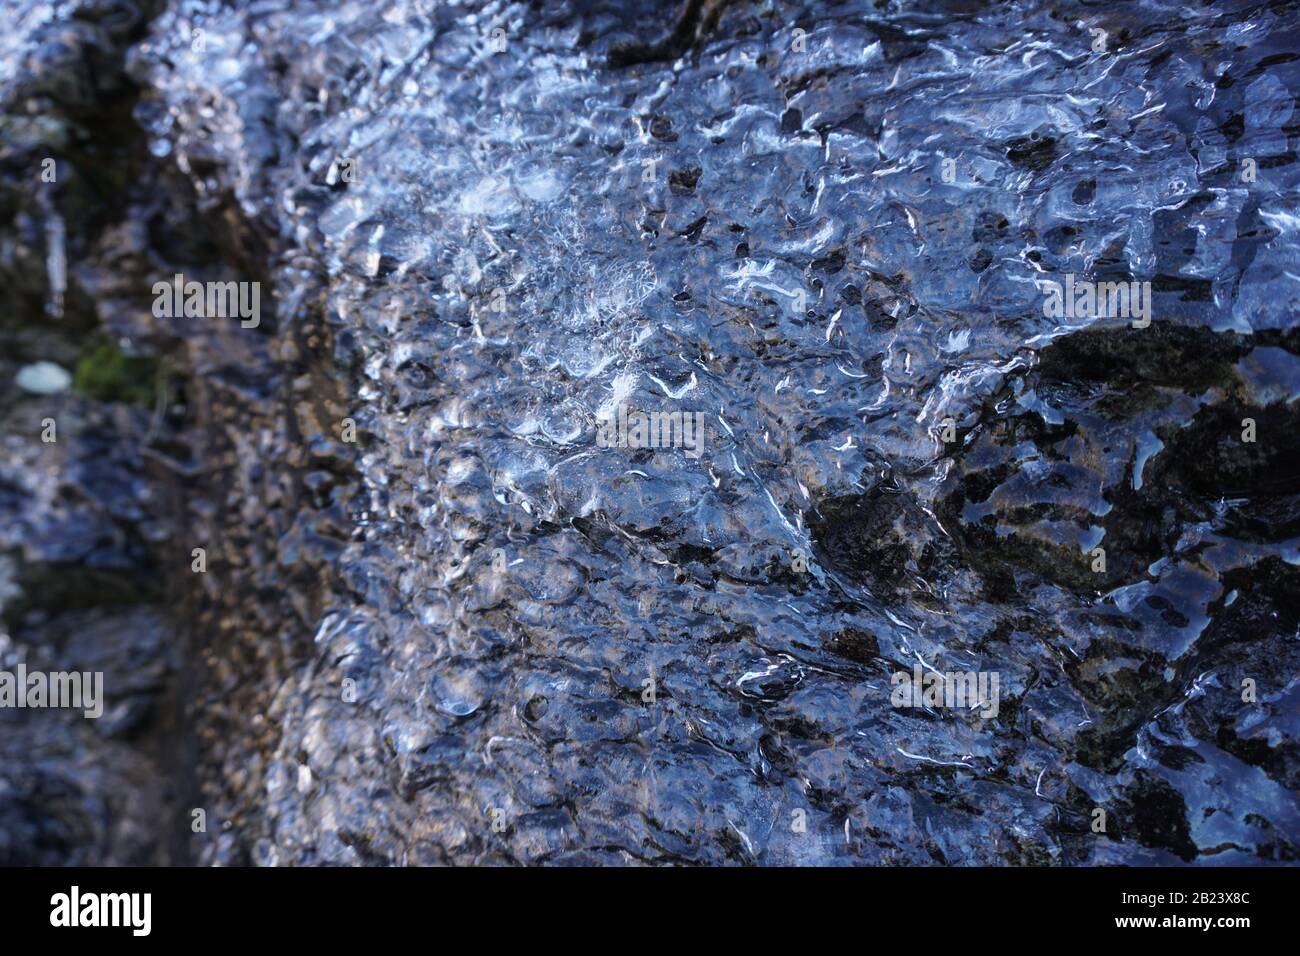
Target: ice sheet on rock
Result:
[776, 238]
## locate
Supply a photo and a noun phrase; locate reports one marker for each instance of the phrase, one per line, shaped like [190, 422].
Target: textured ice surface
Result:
[516, 219]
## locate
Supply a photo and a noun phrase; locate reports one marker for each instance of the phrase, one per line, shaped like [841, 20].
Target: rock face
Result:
[438, 621]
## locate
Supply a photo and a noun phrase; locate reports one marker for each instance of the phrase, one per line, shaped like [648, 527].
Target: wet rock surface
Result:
[477, 634]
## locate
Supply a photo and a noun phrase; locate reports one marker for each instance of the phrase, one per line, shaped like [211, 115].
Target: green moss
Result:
[105, 374]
